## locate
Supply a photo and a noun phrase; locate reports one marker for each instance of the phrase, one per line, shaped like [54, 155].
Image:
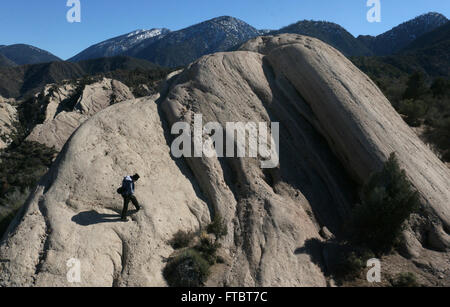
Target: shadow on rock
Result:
[338, 260]
[328, 255]
[314, 248]
[89, 218]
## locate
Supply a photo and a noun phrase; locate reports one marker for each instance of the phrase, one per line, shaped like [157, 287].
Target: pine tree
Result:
[387, 201]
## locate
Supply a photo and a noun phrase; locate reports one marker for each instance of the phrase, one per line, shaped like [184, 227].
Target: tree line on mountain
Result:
[24, 81]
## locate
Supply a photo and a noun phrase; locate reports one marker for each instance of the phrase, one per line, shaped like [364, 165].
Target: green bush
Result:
[440, 137]
[208, 249]
[416, 86]
[414, 110]
[189, 269]
[387, 201]
[440, 87]
[351, 262]
[405, 280]
[13, 201]
[181, 239]
[218, 227]
[22, 164]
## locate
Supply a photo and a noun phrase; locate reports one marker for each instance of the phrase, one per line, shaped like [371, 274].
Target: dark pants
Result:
[126, 201]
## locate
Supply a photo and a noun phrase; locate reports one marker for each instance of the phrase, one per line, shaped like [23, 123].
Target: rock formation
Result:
[8, 116]
[73, 212]
[62, 118]
[336, 128]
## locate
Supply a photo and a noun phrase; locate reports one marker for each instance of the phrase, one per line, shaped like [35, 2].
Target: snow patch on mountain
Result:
[120, 45]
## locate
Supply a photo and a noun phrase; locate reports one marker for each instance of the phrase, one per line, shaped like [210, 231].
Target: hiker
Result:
[128, 194]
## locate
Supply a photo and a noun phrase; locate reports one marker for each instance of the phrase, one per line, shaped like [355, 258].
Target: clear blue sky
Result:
[43, 23]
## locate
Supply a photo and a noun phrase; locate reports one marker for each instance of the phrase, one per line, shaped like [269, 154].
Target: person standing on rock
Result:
[128, 194]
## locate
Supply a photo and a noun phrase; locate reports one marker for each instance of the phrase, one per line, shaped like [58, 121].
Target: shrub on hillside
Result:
[440, 137]
[414, 110]
[387, 201]
[218, 227]
[416, 86]
[351, 262]
[405, 280]
[22, 164]
[440, 87]
[181, 239]
[13, 201]
[208, 249]
[189, 269]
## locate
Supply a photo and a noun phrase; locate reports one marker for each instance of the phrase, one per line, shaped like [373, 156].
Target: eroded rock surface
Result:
[8, 116]
[67, 110]
[74, 212]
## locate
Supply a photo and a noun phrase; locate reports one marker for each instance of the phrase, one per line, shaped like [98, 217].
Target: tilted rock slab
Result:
[359, 123]
[327, 108]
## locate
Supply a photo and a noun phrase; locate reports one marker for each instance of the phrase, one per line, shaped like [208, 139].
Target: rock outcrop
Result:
[336, 128]
[8, 116]
[63, 115]
[75, 209]
[358, 122]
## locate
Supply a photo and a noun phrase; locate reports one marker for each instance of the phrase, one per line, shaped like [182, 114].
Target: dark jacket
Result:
[128, 186]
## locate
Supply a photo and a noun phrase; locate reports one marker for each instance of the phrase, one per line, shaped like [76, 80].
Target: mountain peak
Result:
[120, 45]
[225, 21]
[435, 15]
[328, 32]
[428, 20]
[22, 54]
[404, 34]
[225, 17]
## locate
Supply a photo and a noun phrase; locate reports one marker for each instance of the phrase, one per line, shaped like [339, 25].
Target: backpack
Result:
[120, 190]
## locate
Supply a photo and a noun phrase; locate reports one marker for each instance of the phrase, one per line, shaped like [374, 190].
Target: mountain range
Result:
[29, 79]
[139, 49]
[429, 54]
[331, 33]
[176, 48]
[179, 48]
[395, 40]
[21, 54]
[226, 33]
[122, 45]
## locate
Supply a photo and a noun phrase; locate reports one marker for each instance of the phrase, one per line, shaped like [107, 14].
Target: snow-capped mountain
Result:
[21, 54]
[184, 46]
[120, 45]
[401, 36]
[179, 48]
[163, 47]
